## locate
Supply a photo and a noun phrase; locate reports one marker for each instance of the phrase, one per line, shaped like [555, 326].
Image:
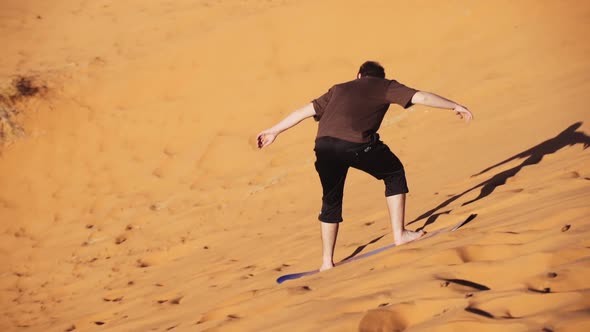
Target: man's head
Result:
[371, 68]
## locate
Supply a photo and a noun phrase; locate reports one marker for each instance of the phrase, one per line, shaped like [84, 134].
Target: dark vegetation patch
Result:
[12, 100]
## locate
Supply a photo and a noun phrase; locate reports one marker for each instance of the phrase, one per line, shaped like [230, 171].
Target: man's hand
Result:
[266, 138]
[463, 113]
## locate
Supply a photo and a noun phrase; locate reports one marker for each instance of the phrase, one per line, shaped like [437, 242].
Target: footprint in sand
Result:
[142, 263]
[112, 299]
[382, 320]
[479, 312]
[170, 152]
[123, 237]
[175, 300]
[158, 172]
[248, 276]
[471, 253]
[541, 283]
[462, 285]
[299, 290]
[545, 290]
[571, 175]
[280, 268]
[120, 239]
[217, 315]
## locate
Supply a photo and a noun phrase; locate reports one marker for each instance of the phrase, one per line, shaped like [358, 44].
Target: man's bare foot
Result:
[408, 236]
[325, 266]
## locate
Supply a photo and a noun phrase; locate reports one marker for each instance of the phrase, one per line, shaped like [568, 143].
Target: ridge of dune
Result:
[133, 198]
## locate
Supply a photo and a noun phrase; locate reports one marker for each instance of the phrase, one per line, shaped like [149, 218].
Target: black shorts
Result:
[333, 158]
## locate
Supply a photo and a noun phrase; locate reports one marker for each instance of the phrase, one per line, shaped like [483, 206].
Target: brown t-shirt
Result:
[353, 111]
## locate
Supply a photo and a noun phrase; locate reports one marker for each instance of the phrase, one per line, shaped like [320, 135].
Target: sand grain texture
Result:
[133, 198]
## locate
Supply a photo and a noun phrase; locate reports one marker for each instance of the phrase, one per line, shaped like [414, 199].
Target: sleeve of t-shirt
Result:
[400, 94]
[319, 104]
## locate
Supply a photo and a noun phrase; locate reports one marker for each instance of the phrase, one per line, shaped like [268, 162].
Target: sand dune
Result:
[133, 198]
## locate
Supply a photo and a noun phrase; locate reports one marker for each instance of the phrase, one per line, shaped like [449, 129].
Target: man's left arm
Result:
[434, 100]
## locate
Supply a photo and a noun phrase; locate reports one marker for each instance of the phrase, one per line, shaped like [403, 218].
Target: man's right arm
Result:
[433, 100]
[268, 136]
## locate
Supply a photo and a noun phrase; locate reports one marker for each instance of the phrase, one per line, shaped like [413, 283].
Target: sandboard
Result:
[292, 276]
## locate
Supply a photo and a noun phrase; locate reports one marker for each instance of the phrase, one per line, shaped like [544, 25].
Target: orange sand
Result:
[133, 195]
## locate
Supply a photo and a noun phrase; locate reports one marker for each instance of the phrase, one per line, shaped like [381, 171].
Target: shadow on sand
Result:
[532, 156]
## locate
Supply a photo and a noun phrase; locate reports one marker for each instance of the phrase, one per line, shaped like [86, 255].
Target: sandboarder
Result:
[349, 115]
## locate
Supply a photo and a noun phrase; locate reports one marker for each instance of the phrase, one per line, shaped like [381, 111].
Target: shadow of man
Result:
[533, 156]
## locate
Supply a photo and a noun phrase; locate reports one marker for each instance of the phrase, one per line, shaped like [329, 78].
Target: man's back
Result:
[353, 111]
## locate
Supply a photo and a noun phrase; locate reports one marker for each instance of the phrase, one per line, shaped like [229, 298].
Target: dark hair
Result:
[372, 68]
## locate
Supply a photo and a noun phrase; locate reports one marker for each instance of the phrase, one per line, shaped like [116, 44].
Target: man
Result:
[349, 116]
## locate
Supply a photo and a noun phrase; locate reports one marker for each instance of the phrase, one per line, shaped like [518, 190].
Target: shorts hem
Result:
[393, 193]
[330, 221]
